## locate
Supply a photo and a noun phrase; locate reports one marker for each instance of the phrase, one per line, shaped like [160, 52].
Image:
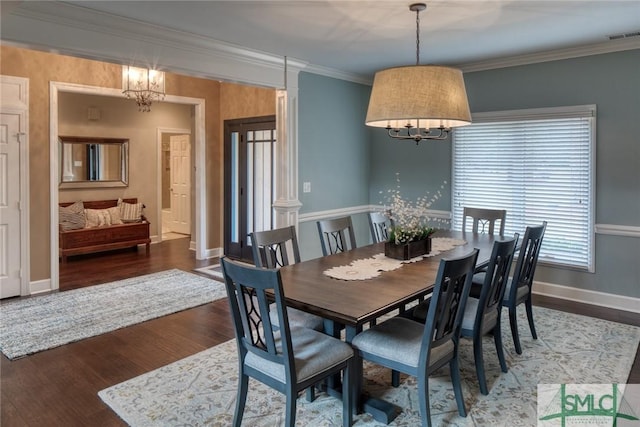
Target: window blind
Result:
[539, 166]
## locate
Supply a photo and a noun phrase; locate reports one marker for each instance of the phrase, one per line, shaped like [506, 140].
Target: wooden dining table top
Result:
[356, 302]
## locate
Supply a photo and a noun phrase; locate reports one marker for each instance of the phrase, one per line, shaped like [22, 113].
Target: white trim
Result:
[585, 296]
[535, 113]
[340, 75]
[618, 230]
[20, 106]
[353, 210]
[553, 55]
[40, 286]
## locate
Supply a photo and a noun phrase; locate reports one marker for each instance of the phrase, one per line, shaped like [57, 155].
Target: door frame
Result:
[19, 104]
[199, 156]
[249, 123]
[159, 133]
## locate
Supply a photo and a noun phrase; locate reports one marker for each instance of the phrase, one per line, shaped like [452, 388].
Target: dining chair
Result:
[379, 225]
[270, 250]
[483, 315]
[333, 233]
[519, 287]
[417, 349]
[484, 220]
[286, 359]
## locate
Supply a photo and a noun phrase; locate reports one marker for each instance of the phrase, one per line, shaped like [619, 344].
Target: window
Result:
[538, 165]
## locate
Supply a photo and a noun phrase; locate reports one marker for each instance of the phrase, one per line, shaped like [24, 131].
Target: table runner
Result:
[368, 268]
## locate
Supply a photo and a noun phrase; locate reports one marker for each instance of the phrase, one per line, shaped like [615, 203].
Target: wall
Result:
[41, 68]
[120, 118]
[334, 147]
[611, 82]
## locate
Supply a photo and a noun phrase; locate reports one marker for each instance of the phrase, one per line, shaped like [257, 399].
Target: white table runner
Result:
[368, 268]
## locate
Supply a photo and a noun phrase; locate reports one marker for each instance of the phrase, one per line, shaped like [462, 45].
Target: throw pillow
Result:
[102, 217]
[71, 217]
[130, 212]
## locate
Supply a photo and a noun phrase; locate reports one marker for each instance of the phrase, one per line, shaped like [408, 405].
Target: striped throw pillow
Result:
[130, 212]
[71, 217]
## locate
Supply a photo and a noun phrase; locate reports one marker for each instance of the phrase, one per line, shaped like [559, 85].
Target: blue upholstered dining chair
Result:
[417, 349]
[333, 235]
[286, 359]
[519, 287]
[482, 315]
[379, 225]
[269, 249]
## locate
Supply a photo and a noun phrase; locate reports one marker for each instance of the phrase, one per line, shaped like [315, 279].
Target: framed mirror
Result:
[86, 162]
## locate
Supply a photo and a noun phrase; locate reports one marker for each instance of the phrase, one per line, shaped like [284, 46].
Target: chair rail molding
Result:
[352, 210]
[618, 230]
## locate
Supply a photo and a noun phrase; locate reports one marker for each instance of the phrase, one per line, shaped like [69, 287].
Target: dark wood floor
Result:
[59, 387]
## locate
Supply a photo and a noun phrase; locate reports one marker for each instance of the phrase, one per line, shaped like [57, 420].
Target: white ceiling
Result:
[360, 37]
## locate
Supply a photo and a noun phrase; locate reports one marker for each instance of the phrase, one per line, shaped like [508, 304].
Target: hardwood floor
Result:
[59, 387]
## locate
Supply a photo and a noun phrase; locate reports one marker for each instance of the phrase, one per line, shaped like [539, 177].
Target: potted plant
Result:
[410, 232]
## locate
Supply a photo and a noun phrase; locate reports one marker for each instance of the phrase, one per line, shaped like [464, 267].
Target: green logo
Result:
[584, 404]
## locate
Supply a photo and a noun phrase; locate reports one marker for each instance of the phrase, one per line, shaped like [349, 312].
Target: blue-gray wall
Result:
[349, 164]
[333, 153]
[612, 82]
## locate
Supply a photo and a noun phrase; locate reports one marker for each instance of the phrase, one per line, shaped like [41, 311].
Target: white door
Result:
[12, 134]
[180, 176]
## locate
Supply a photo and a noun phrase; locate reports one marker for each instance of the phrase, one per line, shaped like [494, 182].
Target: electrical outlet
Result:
[306, 187]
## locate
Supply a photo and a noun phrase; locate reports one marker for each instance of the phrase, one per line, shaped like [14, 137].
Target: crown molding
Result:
[337, 74]
[134, 34]
[144, 37]
[553, 55]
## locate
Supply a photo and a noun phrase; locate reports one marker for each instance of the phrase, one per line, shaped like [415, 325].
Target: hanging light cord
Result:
[417, 36]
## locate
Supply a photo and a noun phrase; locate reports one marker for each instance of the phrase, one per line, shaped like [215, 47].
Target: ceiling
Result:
[360, 37]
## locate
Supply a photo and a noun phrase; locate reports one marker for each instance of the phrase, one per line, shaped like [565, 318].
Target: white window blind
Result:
[539, 166]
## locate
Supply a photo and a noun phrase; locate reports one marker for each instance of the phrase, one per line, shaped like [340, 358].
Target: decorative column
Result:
[286, 203]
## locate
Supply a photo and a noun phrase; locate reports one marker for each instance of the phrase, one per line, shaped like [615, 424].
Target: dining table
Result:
[352, 304]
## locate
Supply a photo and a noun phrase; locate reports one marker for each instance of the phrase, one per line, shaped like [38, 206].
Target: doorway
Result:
[175, 190]
[250, 187]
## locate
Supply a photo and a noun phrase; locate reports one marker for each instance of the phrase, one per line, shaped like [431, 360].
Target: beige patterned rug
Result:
[200, 390]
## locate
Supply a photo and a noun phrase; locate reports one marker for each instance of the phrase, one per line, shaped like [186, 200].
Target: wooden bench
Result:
[106, 238]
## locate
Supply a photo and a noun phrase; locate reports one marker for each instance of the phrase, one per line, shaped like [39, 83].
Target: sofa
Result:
[101, 225]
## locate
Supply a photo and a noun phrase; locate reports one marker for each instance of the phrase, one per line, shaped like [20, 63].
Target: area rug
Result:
[214, 271]
[200, 390]
[43, 322]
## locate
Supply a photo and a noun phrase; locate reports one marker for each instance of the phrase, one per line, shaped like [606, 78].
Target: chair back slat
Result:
[270, 247]
[527, 259]
[379, 226]
[333, 235]
[250, 291]
[496, 276]
[449, 296]
[484, 220]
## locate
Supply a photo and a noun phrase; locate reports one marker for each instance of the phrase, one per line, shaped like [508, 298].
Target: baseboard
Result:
[40, 286]
[585, 296]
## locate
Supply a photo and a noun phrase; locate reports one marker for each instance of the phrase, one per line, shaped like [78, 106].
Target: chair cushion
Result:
[469, 319]
[297, 319]
[314, 352]
[520, 294]
[400, 340]
[420, 311]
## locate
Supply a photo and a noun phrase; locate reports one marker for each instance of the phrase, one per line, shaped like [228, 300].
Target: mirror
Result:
[86, 162]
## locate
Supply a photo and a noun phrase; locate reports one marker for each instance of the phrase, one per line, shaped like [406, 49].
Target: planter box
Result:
[409, 250]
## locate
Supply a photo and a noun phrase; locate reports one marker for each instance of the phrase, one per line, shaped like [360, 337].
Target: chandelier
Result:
[418, 101]
[143, 85]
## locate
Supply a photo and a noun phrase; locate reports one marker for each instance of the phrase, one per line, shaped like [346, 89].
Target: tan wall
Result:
[41, 68]
[120, 118]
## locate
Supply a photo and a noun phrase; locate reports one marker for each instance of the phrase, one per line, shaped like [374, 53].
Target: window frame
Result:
[552, 113]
